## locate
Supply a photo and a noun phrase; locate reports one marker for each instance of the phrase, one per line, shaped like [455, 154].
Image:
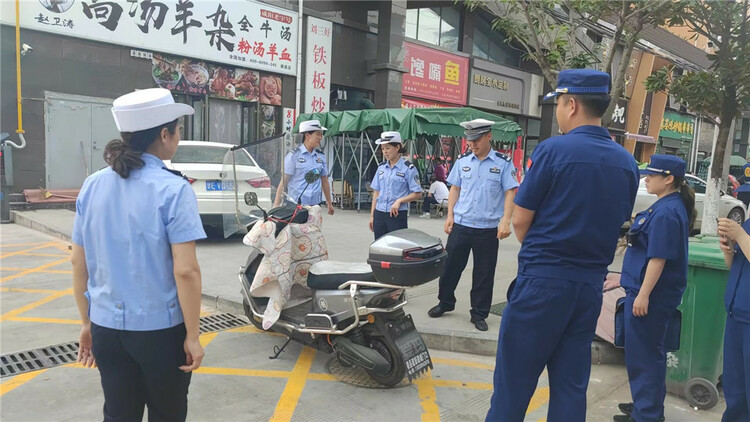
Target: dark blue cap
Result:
[581, 82]
[666, 165]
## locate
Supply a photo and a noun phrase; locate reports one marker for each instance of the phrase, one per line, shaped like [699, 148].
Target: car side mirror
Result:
[251, 198]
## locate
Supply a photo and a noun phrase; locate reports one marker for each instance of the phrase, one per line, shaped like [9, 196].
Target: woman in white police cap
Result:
[136, 278]
[395, 185]
[299, 162]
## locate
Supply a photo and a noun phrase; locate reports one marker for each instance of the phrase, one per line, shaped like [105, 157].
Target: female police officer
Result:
[395, 184]
[735, 243]
[654, 275]
[136, 278]
[302, 160]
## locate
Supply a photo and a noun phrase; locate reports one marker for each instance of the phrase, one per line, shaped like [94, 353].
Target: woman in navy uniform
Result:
[567, 243]
[136, 278]
[654, 276]
[301, 161]
[735, 243]
[395, 185]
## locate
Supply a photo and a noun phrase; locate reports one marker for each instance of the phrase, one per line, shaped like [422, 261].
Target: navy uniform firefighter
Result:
[301, 161]
[654, 276]
[578, 191]
[136, 278]
[395, 185]
[480, 207]
[735, 243]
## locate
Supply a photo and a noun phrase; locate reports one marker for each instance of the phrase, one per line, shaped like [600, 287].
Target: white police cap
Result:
[311, 126]
[389, 138]
[476, 128]
[146, 109]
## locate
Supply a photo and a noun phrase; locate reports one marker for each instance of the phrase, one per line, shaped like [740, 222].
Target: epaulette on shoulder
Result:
[466, 154]
[176, 173]
[503, 156]
[408, 164]
[319, 151]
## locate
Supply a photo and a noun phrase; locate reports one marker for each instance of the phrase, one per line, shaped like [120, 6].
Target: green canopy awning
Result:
[411, 122]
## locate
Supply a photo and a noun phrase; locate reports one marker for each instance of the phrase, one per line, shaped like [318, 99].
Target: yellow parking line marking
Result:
[41, 291]
[18, 245]
[321, 377]
[542, 420]
[462, 384]
[34, 270]
[242, 372]
[21, 252]
[45, 271]
[207, 338]
[428, 398]
[18, 380]
[460, 362]
[294, 386]
[246, 329]
[541, 396]
[30, 306]
[45, 254]
[45, 320]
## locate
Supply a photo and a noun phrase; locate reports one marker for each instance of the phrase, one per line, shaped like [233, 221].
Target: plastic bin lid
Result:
[703, 251]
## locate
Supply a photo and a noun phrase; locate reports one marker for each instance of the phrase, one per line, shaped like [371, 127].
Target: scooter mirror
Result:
[251, 198]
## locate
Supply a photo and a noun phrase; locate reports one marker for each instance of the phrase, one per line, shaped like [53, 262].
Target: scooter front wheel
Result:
[390, 352]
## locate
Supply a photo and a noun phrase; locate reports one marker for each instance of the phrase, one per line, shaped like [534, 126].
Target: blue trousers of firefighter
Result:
[548, 322]
[736, 377]
[646, 359]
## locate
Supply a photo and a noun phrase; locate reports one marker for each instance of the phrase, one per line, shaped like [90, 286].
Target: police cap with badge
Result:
[311, 126]
[389, 138]
[581, 82]
[474, 129]
[146, 109]
[665, 165]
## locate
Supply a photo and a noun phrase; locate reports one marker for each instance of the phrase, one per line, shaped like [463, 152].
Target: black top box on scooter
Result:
[407, 257]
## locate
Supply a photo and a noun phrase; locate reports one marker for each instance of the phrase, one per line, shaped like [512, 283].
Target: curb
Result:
[602, 353]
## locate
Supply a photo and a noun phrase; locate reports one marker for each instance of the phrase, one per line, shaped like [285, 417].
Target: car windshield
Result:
[199, 154]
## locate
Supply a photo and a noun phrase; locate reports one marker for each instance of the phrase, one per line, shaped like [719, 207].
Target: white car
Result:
[203, 164]
[729, 206]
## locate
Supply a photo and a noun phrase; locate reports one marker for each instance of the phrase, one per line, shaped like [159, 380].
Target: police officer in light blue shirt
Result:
[567, 242]
[136, 279]
[395, 185]
[480, 207]
[299, 162]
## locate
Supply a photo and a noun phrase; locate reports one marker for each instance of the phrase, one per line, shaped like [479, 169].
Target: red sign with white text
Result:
[412, 103]
[435, 75]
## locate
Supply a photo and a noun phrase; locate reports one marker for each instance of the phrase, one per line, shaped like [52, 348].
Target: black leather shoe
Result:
[438, 311]
[480, 324]
[626, 408]
[623, 418]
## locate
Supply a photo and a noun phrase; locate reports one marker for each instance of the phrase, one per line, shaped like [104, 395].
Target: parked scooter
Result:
[355, 310]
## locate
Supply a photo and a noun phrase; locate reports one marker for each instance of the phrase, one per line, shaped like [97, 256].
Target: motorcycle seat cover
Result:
[329, 275]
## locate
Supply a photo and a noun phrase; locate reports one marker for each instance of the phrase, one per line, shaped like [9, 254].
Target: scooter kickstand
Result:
[277, 351]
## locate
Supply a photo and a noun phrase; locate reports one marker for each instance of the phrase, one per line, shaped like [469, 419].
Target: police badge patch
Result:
[641, 221]
[301, 160]
[494, 170]
[513, 173]
[399, 174]
[319, 160]
[466, 168]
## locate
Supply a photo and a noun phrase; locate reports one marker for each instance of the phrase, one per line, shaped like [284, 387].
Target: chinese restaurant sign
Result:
[435, 75]
[318, 65]
[242, 33]
[411, 103]
[677, 126]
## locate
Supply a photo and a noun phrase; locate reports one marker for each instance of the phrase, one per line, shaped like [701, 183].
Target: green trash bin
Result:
[693, 371]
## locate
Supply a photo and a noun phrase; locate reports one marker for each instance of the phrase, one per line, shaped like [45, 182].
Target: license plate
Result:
[219, 185]
[409, 342]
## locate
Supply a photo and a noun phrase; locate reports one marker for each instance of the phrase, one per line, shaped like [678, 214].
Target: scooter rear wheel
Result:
[389, 351]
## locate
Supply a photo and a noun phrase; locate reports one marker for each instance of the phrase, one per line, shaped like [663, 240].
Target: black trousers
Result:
[140, 368]
[383, 223]
[428, 200]
[483, 243]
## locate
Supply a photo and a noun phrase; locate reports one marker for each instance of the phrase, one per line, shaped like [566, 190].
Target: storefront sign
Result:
[677, 126]
[500, 92]
[646, 115]
[318, 65]
[412, 103]
[618, 115]
[289, 118]
[245, 33]
[435, 75]
[632, 72]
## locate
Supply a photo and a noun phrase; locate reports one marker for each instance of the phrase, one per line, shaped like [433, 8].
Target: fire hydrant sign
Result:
[248, 34]
[435, 75]
[318, 65]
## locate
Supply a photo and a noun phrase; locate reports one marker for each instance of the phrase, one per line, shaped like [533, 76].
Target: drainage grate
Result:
[498, 308]
[221, 322]
[357, 376]
[61, 354]
[35, 359]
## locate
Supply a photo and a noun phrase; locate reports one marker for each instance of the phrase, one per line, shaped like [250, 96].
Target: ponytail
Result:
[688, 198]
[124, 155]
